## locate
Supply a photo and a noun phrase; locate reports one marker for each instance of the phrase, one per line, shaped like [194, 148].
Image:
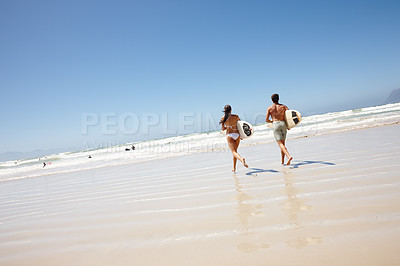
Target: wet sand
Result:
[337, 204]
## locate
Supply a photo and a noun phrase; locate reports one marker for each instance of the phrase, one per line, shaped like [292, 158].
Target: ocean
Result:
[194, 143]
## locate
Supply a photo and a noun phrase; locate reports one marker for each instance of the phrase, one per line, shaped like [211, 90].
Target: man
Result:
[277, 113]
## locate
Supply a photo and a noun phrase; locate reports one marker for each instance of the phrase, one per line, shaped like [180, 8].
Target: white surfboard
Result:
[292, 118]
[245, 129]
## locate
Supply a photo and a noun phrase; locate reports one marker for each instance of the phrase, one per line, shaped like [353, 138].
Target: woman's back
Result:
[230, 124]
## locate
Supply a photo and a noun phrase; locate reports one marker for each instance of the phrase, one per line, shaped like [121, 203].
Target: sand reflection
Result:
[293, 206]
[247, 211]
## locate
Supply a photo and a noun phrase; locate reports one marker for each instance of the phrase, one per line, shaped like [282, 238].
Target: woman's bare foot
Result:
[244, 163]
[234, 170]
[290, 159]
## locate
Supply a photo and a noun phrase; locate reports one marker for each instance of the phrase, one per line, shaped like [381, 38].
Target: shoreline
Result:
[244, 143]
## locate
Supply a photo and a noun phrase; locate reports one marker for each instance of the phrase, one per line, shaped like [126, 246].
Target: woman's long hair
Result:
[227, 111]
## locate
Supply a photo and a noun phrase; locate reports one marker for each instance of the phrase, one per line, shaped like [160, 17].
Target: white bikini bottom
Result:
[233, 135]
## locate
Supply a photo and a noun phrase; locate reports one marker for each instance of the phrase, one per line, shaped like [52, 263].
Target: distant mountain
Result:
[394, 97]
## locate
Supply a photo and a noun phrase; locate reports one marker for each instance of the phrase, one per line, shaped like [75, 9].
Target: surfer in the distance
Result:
[277, 113]
[228, 122]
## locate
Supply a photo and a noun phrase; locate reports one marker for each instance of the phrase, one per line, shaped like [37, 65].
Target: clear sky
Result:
[62, 63]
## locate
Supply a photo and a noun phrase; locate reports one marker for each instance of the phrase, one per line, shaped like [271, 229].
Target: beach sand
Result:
[337, 204]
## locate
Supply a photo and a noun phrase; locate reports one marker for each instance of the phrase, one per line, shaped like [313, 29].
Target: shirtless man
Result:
[277, 113]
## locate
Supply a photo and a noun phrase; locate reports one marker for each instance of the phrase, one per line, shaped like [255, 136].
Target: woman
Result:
[228, 122]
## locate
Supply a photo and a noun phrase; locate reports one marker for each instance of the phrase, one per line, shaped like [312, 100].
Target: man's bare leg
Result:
[285, 151]
[282, 153]
[244, 163]
[290, 159]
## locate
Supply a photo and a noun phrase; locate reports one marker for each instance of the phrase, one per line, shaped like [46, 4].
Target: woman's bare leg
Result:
[233, 145]
[234, 158]
[237, 146]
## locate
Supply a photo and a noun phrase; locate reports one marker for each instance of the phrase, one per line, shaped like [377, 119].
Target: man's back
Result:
[277, 112]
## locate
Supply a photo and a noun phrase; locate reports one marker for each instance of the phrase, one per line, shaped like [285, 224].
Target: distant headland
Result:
[394, 97]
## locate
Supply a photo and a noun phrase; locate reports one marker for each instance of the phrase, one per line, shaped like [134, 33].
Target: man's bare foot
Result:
[244, 163]
[290, 159]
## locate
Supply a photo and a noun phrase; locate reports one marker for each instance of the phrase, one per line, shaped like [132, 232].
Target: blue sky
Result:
[62, 60]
